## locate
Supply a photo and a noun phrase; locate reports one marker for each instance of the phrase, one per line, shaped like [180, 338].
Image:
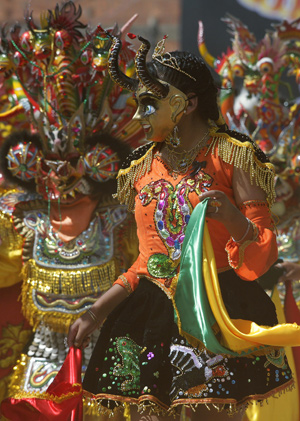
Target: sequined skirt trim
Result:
[94, 403]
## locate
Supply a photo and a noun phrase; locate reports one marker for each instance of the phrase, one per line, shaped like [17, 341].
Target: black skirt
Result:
[140, 357]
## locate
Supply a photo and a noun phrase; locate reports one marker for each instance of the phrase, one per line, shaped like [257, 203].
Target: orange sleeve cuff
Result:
[129, 286]
[253, 258]
[129, 280]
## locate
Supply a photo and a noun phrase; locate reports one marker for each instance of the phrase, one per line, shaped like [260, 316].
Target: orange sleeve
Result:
[129, 280]
[253, 258]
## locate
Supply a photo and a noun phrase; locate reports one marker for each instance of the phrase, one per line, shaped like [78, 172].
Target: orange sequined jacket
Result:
[163, 204]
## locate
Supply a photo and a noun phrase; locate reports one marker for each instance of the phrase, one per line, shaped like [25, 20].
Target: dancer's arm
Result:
[86, 324]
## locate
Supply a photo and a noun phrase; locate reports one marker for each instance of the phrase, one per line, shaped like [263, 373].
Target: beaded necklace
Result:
[179, 162]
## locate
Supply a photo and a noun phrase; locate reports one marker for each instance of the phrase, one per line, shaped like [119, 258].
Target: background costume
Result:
[64, 238]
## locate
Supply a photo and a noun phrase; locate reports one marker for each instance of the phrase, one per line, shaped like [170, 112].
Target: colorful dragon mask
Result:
[80, 120]
[268, 111]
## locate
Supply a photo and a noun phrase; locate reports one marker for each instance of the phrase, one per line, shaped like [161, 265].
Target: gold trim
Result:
[241, 247]
[149, 402]
[225, 269]
[166, 59]
[126, 283]
[253, 203]
[49, 396]
[233, 403]
[168, 291]
[17, 380]
[62, 282]
[242, 155]
[70, 282]
[8, 234]
[129, 176]
[145, 402]
[18, 376]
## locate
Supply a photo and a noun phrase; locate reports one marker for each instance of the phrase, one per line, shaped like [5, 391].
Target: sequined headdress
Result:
[60, 80]
[166, 59]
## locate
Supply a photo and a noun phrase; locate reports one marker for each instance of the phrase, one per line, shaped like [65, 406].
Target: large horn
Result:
[113, 66]
[30, 22]
[144, 76]
[125, 28]
[210, 60]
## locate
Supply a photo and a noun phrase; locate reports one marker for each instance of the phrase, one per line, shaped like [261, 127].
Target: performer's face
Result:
[157, 116]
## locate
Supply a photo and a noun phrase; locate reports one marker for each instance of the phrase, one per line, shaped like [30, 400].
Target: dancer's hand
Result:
[219, 206]
[93, 318]
[80, 330]
[221, 209]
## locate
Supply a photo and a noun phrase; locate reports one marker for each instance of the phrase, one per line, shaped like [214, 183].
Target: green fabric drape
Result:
[193, 313]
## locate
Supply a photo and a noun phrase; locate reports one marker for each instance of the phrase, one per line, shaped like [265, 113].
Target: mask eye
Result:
[62, 39]
[22, 161]
[101, 163]
[18, 59]
[149, 109]
[85, 57]
[238, 70]
[25, 41]
[265, 66]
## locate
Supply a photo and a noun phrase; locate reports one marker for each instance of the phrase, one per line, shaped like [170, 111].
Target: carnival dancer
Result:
[160, 348]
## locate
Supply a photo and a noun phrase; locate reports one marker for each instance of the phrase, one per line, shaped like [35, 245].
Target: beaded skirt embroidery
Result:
[141, 359]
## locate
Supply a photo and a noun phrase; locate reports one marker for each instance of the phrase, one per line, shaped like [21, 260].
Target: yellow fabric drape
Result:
[239, 335]
[287, 407]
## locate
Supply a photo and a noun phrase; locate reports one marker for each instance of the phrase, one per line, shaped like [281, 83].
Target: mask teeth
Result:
[83, 187]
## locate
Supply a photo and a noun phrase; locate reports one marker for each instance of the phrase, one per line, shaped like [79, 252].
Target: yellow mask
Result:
[157, 116]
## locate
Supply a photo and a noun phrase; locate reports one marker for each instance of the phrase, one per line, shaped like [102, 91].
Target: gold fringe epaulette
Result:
[247, 156]
[139, 164]
[78, 283]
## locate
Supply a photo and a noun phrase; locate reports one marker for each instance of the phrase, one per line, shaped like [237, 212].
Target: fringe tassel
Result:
[128, 177]
[242, 155]
[70, 282]
[127, 415]
[230, 150]
[62, 282]
[94, 406]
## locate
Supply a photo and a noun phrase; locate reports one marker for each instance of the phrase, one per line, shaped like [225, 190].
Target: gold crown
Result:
[166, 59]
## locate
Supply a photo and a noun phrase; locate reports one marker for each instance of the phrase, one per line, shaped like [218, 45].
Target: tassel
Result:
[242, 155]
[62, 282]
[129, 176]
[127, 412]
